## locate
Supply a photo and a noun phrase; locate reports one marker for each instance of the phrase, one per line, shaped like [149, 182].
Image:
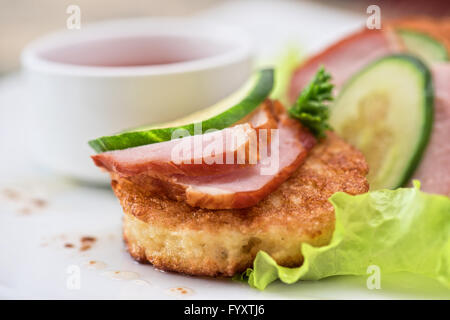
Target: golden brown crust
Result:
[174, 236]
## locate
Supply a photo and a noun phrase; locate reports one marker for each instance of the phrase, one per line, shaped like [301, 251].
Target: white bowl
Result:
[115, 75]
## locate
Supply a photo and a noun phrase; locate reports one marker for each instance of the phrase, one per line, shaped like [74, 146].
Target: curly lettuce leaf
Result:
[403, 230]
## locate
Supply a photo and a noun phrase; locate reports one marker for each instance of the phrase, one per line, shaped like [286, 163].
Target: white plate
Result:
[34, 262]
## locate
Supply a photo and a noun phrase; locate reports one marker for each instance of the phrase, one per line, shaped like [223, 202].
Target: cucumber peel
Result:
[386, 111]
[423, 45]
[148, 135]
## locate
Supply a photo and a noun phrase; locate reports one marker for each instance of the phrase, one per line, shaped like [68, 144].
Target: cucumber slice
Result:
[386, 111]
[423, 45]
[217, 117]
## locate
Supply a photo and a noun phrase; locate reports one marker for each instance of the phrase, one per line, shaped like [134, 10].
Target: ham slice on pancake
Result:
[217, 186]
[185, 156]
[434, 169]
[207, 154]
[343, 58]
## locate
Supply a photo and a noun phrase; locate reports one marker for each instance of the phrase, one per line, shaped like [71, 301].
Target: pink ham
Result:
[344, 58]
[434, 169]
[167, 158]
[243, 187]
[264, 117]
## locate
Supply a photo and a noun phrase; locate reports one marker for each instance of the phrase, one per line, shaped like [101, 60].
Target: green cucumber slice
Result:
[218, 118]
[386, 111]
[423, 45]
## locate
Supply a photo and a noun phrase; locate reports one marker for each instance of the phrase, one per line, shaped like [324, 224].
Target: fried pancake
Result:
[177, 237]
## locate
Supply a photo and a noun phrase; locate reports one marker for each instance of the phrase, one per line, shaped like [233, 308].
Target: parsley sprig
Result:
[311, 108]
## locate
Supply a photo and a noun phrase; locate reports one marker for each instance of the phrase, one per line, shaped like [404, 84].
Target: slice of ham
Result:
[188, 156]
[436, 28]
[238, 147]
[434, 169]
[264, 117]
[243, 187]
[344, 58]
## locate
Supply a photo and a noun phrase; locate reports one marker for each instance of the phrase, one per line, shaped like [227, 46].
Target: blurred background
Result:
[24, 20]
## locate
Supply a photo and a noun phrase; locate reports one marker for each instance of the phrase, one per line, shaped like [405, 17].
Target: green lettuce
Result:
[403, 230]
